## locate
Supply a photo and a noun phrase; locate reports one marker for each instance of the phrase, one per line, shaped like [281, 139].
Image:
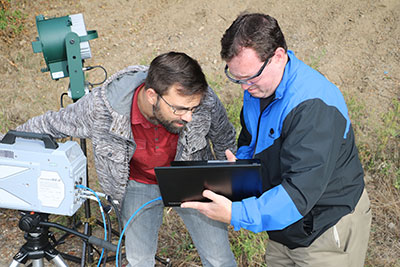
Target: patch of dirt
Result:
[354, 43]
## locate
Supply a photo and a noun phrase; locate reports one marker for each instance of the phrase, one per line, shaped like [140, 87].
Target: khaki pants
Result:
[345, 244]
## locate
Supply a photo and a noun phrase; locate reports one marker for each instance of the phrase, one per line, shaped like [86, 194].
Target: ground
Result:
[355, 44]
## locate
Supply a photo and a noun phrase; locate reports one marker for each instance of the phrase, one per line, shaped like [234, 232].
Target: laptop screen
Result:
[186, 180]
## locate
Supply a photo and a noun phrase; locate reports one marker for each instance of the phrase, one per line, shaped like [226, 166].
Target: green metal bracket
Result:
[74, 62]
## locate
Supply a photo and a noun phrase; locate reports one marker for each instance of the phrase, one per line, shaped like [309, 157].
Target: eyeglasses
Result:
[246, 81]
[178, 110]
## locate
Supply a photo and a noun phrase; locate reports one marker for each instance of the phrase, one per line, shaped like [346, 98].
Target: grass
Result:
[11, 20]
[5, 123]
[378, 144]
[382, 156]
[315, 61]
[248, 247]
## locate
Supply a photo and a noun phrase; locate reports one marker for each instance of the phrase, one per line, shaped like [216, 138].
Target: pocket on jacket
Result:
[111, 151]
[299, 234]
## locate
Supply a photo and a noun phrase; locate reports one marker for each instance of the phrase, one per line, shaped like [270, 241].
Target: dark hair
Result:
[171, 68]
[258, 31]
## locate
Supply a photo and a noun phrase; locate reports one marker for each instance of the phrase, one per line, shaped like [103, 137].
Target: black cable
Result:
[116, 210]
[109, 233]
[97, 66]
[61, 99]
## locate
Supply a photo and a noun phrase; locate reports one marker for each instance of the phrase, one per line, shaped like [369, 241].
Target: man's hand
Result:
[230, 156]
[220, 209]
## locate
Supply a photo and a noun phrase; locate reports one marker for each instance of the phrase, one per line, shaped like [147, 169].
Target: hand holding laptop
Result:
[219, 209]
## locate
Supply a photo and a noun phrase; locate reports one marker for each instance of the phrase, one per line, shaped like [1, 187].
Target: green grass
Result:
[388, 151]
[381, 157]
[249, 248]
[314, 61]
[233, 110]
[5, 124]
[12, 20]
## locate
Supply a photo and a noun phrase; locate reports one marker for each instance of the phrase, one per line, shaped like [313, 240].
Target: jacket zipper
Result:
[258, 126]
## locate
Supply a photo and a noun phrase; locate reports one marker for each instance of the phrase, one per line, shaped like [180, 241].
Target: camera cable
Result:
[126, 226]
[102, 215]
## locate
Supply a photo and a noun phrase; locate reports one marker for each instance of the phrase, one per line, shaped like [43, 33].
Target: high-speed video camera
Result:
[38, 174]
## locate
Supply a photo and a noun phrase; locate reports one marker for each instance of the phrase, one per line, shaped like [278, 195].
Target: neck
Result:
[144, 106]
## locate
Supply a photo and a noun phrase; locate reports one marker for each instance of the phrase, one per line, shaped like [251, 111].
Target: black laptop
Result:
[186, 180]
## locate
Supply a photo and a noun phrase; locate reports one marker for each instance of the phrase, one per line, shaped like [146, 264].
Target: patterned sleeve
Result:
[75, 120]
[222, 132]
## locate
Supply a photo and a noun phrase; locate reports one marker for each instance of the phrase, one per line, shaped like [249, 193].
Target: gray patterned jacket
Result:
[104, 117]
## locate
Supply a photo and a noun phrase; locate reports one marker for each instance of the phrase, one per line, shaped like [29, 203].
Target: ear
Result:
[151, 96]
[280, 54]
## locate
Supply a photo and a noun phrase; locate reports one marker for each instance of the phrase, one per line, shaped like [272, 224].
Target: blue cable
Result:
[102, 215]
[126, 226]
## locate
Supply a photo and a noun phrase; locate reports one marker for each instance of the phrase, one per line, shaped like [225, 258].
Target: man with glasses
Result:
[142, 118]
[314, 205]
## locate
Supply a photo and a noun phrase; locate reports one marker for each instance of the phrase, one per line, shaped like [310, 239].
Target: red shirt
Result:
[156, 146]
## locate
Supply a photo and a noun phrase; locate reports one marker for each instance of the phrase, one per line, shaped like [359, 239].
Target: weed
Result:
[315, 60]
[233, 110]
[249, 247]
[5, 124]
[356, 109]
[386, 157]
[11, 21]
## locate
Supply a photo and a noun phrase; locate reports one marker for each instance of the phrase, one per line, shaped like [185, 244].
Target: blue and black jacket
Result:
[312, 175]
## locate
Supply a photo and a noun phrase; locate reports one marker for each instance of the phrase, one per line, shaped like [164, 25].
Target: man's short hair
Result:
[257, 31]
[176, 68]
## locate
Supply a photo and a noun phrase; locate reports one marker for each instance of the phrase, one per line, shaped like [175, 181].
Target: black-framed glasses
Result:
[178, 110]
[246, 81]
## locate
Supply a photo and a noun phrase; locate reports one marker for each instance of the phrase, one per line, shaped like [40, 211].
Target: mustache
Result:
[180, 122]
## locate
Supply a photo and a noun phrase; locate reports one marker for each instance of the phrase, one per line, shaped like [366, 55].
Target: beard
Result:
[158, 118]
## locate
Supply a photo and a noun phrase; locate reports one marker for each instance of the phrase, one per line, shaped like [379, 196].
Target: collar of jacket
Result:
[117, 93]
[290, 67]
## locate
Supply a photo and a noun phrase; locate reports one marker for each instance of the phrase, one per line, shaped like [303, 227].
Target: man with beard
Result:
[142, 118]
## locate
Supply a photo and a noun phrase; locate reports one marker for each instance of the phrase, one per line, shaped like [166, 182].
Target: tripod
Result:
[38, 245]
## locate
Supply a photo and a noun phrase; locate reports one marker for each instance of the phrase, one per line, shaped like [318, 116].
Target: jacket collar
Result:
[117, 93]
[290, 68]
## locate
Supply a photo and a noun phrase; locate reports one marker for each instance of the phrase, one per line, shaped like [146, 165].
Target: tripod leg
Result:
[14, 263]
[59, 261]
[54, 256]
[37, 263]
[20, 258]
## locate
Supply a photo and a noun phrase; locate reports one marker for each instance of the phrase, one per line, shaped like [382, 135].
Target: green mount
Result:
[62, 51]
